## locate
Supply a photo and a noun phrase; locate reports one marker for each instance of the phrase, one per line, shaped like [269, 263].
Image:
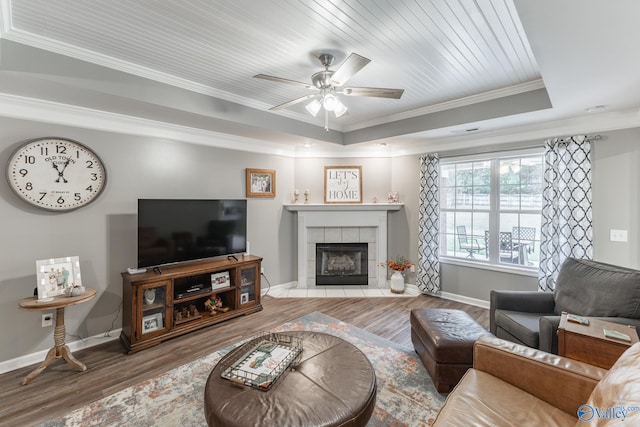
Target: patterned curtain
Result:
[566, 207]
[428, 276]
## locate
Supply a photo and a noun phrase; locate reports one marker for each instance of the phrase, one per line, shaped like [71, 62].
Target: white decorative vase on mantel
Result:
[397, 282]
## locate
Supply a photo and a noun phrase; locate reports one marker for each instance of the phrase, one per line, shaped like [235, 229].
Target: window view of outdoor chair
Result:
[525, 236]
[509, 252]
[467, 243]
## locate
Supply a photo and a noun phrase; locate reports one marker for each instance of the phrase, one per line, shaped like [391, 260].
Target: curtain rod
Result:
[501, 149]
[586, 137]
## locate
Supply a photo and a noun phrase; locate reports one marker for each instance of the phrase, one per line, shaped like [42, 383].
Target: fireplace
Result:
[341, 263]
[342, 223]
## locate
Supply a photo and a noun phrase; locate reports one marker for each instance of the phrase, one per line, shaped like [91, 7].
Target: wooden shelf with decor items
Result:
[182, 298]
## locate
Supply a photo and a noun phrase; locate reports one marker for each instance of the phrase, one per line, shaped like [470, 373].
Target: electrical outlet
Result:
[47, 320]
[618, 235]
[261, 270]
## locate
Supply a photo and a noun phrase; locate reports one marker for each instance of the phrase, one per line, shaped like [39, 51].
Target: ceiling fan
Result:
[329, 84]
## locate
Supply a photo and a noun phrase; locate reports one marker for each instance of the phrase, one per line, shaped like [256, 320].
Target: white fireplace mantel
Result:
[372, 215]
[345, 207]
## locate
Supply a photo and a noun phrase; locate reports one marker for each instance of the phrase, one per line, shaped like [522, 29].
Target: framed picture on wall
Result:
[261, 183]
[343, 184]
[56, 275]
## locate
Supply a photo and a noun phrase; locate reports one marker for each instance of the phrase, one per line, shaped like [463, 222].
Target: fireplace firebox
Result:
[341, 263]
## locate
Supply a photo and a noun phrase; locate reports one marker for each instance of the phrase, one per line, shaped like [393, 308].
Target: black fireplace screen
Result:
[341, 263]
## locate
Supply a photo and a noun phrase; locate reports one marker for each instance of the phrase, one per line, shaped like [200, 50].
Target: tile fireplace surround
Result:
[352, 223]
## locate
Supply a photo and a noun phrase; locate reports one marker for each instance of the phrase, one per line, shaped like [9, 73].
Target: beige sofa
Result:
[514, 385]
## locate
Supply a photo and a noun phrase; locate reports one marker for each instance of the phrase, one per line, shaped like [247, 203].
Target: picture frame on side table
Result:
[261, 182]
[343, 184]
[56, 275]
[152, 322]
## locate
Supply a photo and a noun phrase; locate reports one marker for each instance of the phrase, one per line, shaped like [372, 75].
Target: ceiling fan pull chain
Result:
[326, 120]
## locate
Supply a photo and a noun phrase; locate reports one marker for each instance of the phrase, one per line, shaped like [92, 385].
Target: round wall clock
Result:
[56, 174]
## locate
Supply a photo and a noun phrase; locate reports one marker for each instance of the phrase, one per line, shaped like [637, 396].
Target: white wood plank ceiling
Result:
[458, 61]
[437, 50]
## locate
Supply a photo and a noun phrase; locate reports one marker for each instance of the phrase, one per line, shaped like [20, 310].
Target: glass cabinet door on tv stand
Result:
[154, 316]
[249, 285]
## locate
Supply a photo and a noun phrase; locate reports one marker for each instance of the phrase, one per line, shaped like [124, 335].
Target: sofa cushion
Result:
[617, 395]
[481, 399]
[591, 288]
[525, 326]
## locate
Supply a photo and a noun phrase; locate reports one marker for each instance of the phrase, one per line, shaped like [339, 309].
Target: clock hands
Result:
[61, 172]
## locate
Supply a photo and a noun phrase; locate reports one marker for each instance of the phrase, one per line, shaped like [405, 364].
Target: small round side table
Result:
[60, 349]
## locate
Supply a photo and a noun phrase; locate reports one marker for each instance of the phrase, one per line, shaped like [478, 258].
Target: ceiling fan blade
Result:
[293, 102]
[349, 67]
[377, 92]
[281, 80]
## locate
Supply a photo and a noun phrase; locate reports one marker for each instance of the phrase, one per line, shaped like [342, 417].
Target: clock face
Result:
[56, 174]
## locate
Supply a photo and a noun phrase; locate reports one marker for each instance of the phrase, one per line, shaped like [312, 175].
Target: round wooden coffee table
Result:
[334, 384]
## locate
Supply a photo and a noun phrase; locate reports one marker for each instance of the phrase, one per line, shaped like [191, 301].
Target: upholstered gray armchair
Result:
[584, 287]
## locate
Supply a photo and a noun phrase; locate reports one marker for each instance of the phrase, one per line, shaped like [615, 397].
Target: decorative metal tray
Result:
[261, 361]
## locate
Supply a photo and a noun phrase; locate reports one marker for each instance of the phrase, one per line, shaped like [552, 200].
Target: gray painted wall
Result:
[616, 188]
[103, 234]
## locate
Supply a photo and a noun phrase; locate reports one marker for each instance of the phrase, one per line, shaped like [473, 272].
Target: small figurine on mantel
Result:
[214, 305]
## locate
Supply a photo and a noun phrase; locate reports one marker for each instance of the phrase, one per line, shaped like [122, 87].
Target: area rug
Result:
[405, 396]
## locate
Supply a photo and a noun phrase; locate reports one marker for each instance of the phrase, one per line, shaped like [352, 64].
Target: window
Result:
[490, 209]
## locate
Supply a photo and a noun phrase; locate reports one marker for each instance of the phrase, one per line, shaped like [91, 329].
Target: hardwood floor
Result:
[60, 389]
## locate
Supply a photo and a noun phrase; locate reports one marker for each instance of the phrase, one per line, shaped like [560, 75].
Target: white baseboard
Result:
[281, 286]
[38, 357]
[466, 300]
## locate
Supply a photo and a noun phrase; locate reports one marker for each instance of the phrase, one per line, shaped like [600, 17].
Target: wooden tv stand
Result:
[161, 305]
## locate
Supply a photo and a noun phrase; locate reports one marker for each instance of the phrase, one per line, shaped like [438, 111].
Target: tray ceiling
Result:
[446, 54]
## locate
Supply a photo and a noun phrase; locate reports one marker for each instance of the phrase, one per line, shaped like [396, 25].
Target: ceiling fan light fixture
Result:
[314, 107]
[329, 84]
[329, 102]
[339, 109]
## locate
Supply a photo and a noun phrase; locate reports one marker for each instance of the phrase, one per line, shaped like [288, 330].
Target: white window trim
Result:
[503, 268]
[485, 265]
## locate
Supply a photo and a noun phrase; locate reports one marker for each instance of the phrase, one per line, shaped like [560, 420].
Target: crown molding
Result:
[540, 131]
[448, 105]
[63, 114]
[86, 55]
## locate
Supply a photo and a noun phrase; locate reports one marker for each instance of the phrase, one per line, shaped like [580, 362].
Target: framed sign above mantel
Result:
[343, 184]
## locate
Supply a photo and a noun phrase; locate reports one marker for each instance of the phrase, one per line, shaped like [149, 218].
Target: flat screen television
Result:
[179, 230]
